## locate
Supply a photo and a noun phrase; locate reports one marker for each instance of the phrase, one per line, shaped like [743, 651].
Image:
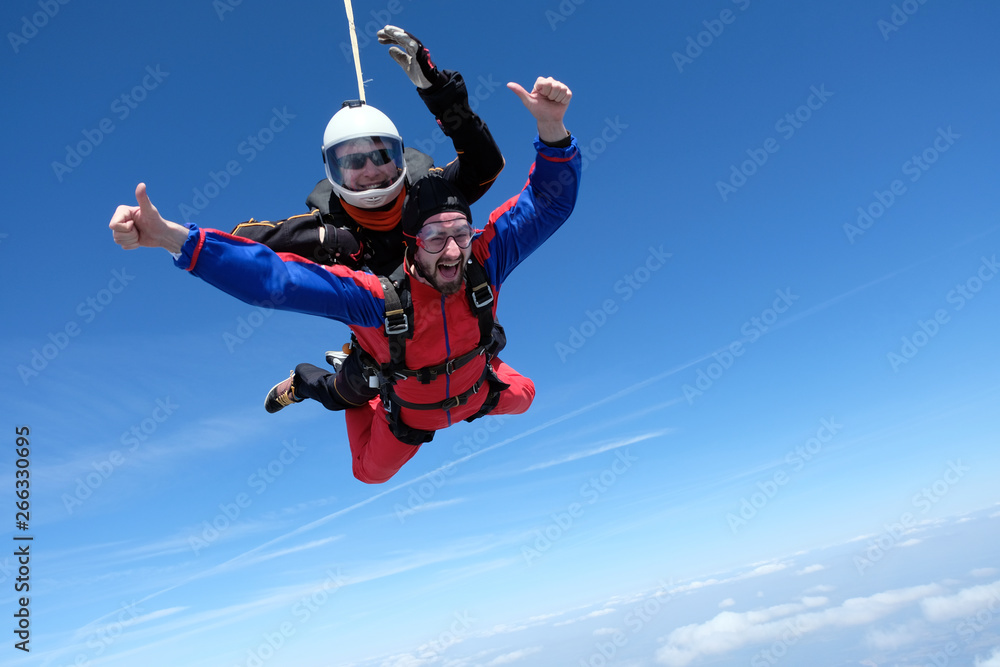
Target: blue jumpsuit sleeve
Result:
[528, 219]
[254, 273]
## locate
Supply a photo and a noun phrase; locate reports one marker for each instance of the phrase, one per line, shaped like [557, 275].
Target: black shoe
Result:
[281, 395]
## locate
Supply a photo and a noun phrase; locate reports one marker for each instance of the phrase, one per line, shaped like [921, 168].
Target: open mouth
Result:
[448, 271]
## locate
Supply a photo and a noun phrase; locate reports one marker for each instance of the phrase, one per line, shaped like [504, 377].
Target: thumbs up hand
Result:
[143, 226]
[547, 102]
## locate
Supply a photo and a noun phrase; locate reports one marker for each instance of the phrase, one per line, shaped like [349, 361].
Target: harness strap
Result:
[480, 294]
[398, 319]
[492, 399]
[448, 403]
[430, 373]
[416, 437]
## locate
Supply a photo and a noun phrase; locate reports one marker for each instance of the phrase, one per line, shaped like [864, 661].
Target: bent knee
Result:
[363, 476]
[517, 399]
[529, 392]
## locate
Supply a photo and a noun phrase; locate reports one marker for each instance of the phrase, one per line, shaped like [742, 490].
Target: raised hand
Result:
[143, 226]
[547, 102]
[414, 57]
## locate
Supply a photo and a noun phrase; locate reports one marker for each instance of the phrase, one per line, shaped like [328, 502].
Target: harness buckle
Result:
[475, 296]
[451, 403]
[398, 328]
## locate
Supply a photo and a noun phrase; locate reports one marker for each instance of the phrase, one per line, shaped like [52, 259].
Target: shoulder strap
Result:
[477, 287]
[398, 319]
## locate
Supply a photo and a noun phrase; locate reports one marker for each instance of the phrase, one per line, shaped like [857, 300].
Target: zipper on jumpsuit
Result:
[447, 351]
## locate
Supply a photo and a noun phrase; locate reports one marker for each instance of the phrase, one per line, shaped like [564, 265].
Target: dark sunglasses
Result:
[378, 157]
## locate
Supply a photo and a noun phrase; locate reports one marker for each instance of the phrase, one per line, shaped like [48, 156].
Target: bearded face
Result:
[440, 256]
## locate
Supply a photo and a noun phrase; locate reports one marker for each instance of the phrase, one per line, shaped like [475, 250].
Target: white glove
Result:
[414, 57]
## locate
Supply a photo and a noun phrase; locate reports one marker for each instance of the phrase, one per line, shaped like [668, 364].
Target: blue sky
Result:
[763, 345]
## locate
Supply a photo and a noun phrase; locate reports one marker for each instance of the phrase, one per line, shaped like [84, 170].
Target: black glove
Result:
[337, 246]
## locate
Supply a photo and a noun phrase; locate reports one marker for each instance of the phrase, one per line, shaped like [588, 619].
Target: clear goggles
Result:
[434, 240]
[356, 153]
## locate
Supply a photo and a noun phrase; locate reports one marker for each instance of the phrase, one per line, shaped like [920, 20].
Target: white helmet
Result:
[358, 121]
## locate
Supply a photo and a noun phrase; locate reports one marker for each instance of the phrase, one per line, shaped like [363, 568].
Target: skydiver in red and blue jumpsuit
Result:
[437, 222]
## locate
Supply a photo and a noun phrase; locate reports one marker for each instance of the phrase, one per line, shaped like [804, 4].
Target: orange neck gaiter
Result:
[379, 221]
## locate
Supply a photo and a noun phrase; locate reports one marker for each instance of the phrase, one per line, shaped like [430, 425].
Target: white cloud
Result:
[726, 632]
[895, 637]
[151, 616]
[179, 446]
[505, 628]
[603, 632]
[822, 588]
[966, 602]
[760, 570]
[299, 507]
[534, 621]
[983, 572]
[767, 568]
[728, 602]
[102, 623]
[424, 507]
[545, 617]
[406, 660]
[694, 585]
[809, 569]
[910, 542]
[596, 450]
[166, 627]
[514, 656]
[729, 631]
[992, 661]
[593, 614]
[291, 550]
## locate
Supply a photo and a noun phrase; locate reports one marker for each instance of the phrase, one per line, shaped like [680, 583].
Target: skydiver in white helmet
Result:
[355, 212]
